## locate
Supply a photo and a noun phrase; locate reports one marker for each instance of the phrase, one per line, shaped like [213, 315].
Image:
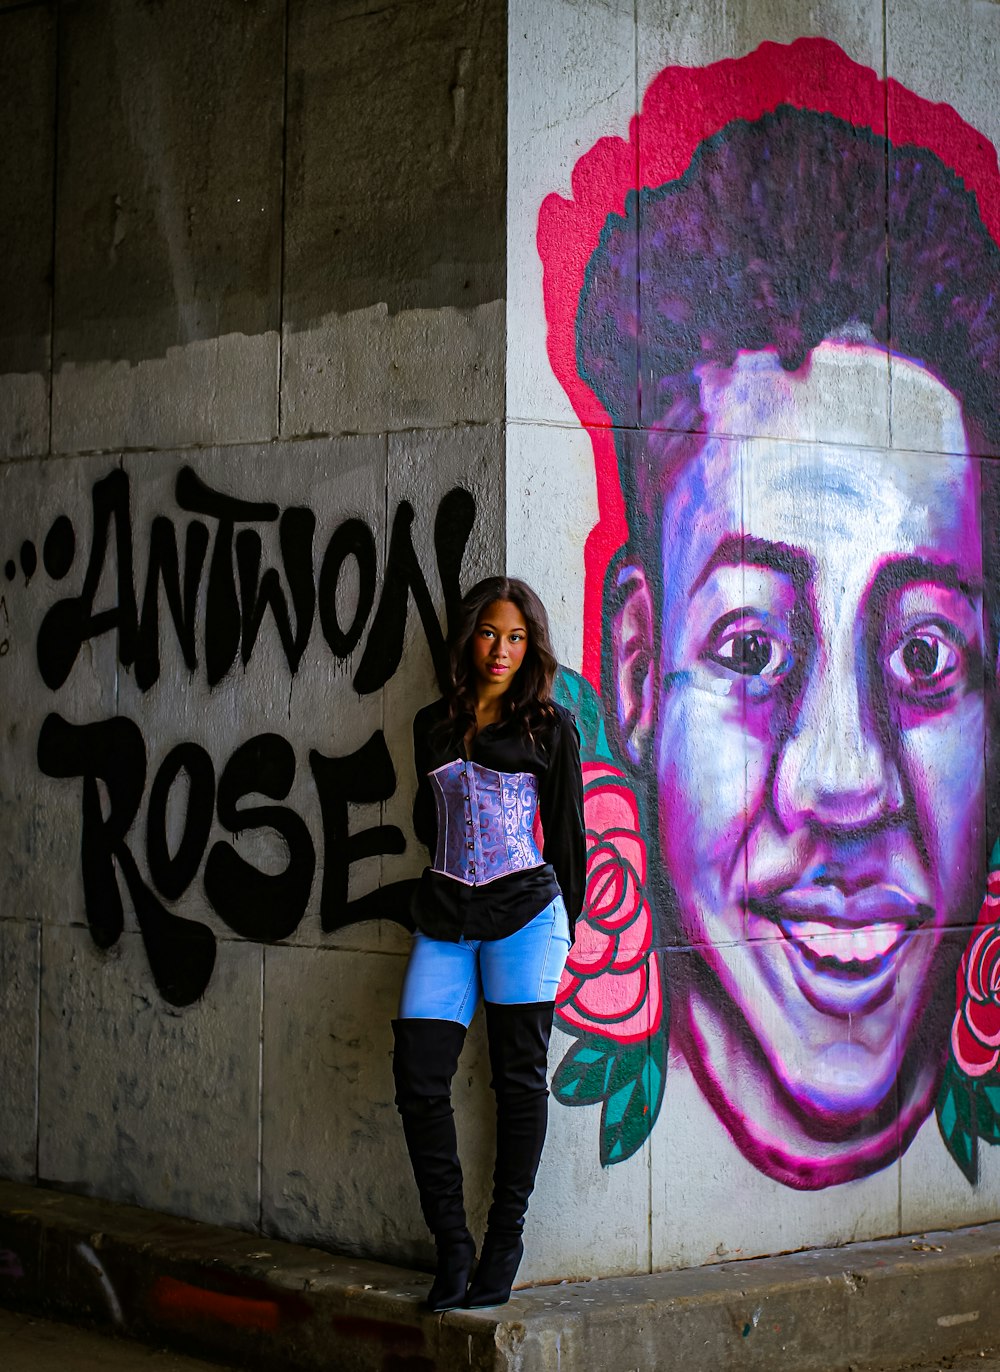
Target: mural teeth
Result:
[847, 945]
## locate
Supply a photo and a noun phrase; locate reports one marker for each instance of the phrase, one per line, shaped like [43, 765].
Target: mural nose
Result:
[832, 769]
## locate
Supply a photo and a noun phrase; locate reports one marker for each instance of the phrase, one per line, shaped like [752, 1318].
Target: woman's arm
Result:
[561, 805]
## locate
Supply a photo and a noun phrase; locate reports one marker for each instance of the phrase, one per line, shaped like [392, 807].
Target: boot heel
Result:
[451, 1280]
[496, 1272]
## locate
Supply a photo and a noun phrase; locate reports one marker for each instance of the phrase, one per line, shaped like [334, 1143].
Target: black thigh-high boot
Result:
[519, 1042]
[423, 1065]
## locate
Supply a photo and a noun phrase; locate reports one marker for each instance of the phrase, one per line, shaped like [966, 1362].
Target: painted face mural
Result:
[818, 747]
[796, 639]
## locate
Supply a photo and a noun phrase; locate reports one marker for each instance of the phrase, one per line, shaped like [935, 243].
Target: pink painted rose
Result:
[975, 1033]
[611, 985]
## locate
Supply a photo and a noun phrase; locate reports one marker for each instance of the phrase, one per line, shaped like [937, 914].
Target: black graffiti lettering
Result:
[234, 616]
[112, 751]
[260, 905]
[163, 566]
[354, 539]
[71, 622]
[257, 905]
[452, 526]
[173, 874]
[194, 495]
[384, 649]
[365, 777]
[59, 548]
[258, 593]
[181, 952]
[222, 608]
[29, 560]
[240, 594]
[403, 577]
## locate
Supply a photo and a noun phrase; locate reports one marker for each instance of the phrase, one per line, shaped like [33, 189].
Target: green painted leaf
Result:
[947, 1114]
[575, 693]
[584, 1075]
[629, 1062]
[985, 1099]
[634, 1098]
[629, 1080]
[956, 1116]
[964, 1103]
[965, 1152]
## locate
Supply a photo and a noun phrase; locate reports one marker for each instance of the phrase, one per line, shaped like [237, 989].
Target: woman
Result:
[493, 916]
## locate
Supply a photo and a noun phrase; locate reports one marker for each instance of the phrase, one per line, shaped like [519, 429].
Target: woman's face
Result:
[498, 646]
[820, 714]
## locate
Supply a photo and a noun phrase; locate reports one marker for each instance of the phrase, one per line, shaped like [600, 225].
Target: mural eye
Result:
[924, 662]
[752, 652]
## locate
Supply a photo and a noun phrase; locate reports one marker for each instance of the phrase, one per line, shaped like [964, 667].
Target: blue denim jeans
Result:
[445, 980]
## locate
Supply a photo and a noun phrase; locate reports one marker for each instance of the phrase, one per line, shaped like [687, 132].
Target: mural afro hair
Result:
[782, 232]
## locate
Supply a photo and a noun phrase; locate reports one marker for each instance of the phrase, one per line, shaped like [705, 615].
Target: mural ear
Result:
[633, 654]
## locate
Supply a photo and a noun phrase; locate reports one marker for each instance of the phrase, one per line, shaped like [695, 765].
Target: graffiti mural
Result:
[203, 583]
[776, 308]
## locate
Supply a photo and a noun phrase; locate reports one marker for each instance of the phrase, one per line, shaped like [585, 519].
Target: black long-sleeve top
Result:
[447, 909]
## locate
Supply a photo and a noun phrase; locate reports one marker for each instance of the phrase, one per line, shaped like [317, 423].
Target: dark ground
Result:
[29, 1344]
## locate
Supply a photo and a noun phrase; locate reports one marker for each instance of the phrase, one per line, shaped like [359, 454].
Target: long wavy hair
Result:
[528, 699]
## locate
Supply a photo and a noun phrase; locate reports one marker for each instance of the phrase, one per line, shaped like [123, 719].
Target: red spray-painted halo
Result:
[681, 108]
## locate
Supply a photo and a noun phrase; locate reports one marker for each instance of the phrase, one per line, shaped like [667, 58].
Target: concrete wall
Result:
[745, 532]
[252, 356]
[264, 410]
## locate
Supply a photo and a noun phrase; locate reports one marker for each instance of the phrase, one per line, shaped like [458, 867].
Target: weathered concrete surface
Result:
[27, 97]
[163, 1105]
[20, 958]
[169, 224]
[394, 216]
[334, 1166]
[395, 156]
[260, 1302]
[196, 266]
[31, 1344]
[107, 1088]
[985, 1360]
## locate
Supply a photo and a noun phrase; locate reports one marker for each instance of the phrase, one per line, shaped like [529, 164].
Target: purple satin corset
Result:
[485, 822]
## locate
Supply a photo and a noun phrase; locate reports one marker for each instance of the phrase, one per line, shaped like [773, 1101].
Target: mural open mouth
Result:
[844, 950]
[852, 951]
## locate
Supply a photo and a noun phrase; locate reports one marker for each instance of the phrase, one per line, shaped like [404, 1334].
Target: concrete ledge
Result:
[262, 1303]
